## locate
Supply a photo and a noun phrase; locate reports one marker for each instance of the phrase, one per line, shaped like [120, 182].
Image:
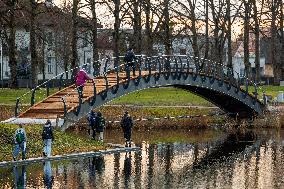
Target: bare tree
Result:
[94, 30]
[168, 35]
[8, 24]
[247, 9]
[149, 36]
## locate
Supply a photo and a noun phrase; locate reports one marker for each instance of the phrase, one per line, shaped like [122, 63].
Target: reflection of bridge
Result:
[211, 81]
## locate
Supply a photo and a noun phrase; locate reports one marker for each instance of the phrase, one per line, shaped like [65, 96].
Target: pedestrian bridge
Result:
[212, 81]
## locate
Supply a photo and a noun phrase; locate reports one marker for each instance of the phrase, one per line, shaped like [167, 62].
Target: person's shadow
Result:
[47, 177]
[20, 178]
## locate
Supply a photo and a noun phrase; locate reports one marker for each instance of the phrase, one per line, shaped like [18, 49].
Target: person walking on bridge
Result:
[126, 125]
[129, 59]
[20, 140]
[81, 79]
[48, 138]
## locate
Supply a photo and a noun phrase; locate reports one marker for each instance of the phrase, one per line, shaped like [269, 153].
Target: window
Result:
[182, 52]
[88, 65]
[242, 72]
[49, 65]
[49, 38]
[85, 40]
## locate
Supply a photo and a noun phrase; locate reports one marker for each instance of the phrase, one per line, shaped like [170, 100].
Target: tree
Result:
[75, 21]
[247, 8]
[94, 30]
[8, 23]
[33, 46]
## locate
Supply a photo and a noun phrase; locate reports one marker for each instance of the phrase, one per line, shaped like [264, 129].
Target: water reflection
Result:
[47, 177]
[20, 176]
[242, 160]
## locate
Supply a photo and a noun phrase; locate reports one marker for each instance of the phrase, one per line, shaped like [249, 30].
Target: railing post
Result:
[33, 97]
[64, 106]
[80, 96]
[47, 89]
[17, 107]
[60, 81]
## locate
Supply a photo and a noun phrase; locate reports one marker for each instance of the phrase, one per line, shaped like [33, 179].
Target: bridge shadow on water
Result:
[234, 144]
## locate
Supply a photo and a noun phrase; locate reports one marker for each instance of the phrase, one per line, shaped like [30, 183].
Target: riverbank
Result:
[64, 143]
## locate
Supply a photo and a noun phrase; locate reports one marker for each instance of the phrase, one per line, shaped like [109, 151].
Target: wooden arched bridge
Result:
[205, 78]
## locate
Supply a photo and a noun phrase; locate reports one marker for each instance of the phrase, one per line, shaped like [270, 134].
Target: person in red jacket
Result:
[81, 79]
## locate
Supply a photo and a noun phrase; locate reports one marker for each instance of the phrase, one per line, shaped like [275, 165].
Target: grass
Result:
[162, 96]
[64, 142]
[269, 90]
[9, 96]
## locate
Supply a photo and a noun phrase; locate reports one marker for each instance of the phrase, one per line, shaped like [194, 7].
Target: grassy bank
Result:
[64, 142]
[269, 90]
[9, 96]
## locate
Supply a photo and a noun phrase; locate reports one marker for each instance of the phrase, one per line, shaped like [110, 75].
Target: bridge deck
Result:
[52, 107]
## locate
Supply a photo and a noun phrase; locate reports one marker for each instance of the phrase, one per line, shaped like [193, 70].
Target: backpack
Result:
[102, 122]
[47, 133]
[20, 137]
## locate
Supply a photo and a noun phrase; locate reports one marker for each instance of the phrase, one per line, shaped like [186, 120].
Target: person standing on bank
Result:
[20, 140]
[126, 125]
[100, 126]
[48, 138]
[81, 79]
[129, 59]
[92, 128]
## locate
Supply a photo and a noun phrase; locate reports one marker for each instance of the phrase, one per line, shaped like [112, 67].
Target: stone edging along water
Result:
[118, 149]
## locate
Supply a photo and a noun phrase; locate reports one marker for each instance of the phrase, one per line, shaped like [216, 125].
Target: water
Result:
[250, 160]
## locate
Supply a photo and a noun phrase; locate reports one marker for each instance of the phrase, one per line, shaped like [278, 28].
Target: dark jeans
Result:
[80, 91]
[131, 65]
[127, 134]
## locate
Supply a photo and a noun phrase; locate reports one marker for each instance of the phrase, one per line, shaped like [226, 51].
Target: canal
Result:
[168, 159]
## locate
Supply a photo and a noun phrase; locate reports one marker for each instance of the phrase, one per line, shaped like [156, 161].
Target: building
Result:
[53, 44]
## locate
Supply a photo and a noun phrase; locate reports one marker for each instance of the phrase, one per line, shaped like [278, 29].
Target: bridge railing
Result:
[43, 90]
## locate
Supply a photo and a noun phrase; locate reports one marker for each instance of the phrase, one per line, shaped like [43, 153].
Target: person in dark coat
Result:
[126, 125]
[92, 129]
[100, 126]
[129, 59]
[48, 138]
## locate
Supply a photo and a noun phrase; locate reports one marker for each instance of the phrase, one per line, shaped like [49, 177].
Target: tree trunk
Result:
[149, 38]
[116, 28]
[257, 53]
[33, 48]
[74, 60]
[137, 26]
[273, 43]
[12, 45]
[206, 30]
[96, 64]
[167, 41]
[246, 40]
[282, 41]
[229, 36]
